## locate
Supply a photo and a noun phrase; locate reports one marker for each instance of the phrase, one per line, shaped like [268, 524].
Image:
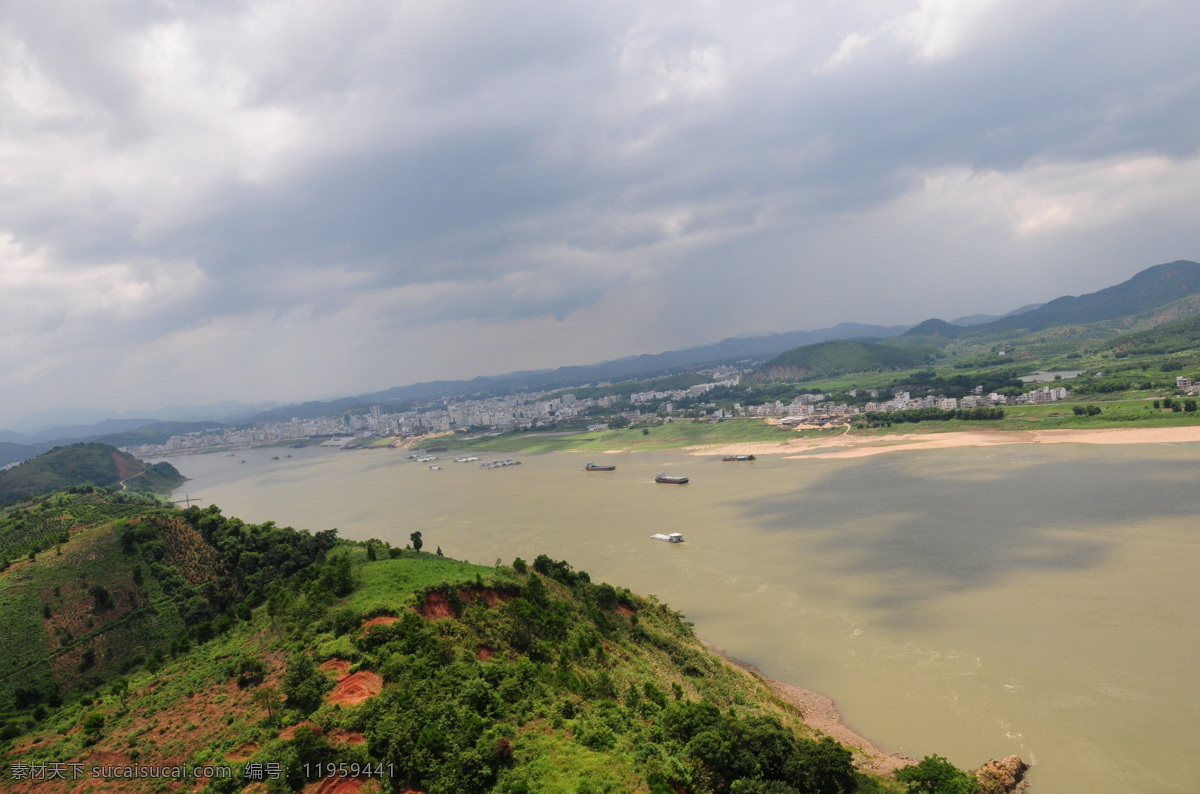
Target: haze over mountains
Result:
[1158, 294]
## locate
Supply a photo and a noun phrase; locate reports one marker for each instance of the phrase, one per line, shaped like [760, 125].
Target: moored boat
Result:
[671, 479]
[594, 467]
[499, 464]
[738, 458]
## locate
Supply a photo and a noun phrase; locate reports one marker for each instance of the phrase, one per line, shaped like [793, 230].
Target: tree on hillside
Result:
[269, 698]
[416, 540]
[302, 683]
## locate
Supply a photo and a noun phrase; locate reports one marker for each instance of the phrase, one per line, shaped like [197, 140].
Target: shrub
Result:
[936, 775]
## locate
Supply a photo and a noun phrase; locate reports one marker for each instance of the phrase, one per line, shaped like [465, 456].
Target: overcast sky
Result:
[261, 200]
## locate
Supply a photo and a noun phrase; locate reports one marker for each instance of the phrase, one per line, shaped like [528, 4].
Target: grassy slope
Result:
[192, 711]
[50, 618]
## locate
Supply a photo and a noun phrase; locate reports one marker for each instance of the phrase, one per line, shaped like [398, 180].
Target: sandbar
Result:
[845, 445]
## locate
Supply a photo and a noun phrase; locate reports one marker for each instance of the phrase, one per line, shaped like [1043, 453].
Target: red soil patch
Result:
[624, 610]
[102, 758]
[346, 737]
[334, 785]
[384, 620]
[340, 667]
[437, 604]
[482, 653]
[124, 466]
[493, 598]
[243, 752]
[289, 733]
[357, 688]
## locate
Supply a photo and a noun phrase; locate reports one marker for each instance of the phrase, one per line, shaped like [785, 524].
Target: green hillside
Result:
[183, 637]
[826, 359]
[76, 464]
[96, 582]
[1175, 337]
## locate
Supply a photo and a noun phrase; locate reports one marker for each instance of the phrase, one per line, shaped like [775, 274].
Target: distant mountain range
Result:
[980, 319]
[726, 351]
[1152, 287]
[1171, 290]
[76, 422]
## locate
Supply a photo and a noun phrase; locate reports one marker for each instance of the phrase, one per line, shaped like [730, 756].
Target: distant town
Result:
[548, 410]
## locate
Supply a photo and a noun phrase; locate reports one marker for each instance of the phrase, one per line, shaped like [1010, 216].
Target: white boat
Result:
[435, 468]
[674, 537]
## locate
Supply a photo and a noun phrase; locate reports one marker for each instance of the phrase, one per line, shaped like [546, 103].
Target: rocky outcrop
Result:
[1003, 776]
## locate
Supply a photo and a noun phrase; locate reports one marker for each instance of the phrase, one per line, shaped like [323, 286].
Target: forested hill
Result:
[76, 464]
[936, 327]
[1167, 338]
[839, 358]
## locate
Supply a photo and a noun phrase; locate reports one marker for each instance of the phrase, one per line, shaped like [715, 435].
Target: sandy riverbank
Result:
[844, 445]
[820, 713]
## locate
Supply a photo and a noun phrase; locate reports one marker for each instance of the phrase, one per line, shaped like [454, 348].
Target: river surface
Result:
[972, 603]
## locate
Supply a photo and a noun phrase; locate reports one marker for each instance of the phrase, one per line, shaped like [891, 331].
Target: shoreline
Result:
[820, 713]
[844, 445]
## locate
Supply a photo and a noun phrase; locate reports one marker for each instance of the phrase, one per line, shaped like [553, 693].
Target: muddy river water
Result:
[972, 602]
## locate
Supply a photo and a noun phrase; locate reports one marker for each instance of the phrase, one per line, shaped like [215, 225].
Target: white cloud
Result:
[938, 30]
[210, 178]
[1055, 197]
[57, 313]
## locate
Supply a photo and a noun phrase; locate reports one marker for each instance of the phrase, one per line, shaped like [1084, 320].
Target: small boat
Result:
[594, 467]
[276, 457]
[435, 467]
[674, 537]
[671, 479]
[738, 457]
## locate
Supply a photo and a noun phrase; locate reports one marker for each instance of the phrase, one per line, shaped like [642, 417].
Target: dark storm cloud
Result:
[540, 159]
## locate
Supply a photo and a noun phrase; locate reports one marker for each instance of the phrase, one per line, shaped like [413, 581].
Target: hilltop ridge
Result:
[95, 463]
